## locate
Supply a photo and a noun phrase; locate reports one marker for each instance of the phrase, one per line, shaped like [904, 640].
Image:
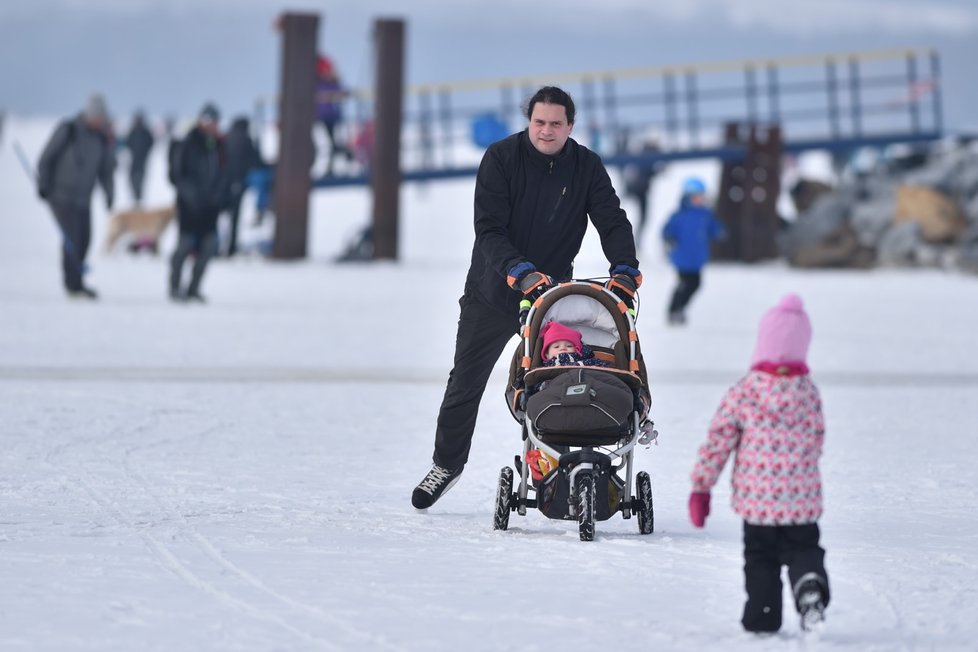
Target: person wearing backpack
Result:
[80, 153]
[199, 172]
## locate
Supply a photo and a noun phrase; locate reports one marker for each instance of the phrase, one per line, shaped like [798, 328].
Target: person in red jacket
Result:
[534, 194]
[772, 418]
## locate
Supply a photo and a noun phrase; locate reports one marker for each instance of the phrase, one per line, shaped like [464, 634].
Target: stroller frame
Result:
[581, 486]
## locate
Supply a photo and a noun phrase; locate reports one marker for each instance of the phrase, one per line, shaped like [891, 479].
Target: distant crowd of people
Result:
[209, 170]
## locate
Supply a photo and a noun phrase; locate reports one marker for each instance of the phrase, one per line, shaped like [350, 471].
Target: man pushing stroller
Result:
[535, 192]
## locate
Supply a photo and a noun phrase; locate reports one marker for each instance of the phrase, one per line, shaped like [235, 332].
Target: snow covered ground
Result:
[237, 476]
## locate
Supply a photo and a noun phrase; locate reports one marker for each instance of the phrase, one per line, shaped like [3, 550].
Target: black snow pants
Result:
[76, 235]
[483, 333]
[205, 247]
[766, 549]
[689, 283]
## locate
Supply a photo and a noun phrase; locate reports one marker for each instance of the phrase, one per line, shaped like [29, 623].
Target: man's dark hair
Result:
[552, 95]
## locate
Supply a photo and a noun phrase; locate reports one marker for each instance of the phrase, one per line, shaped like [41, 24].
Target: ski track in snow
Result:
[237, 588]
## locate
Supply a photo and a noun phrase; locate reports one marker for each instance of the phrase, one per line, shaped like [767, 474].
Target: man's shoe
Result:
[83, 293]
[196, 296]
[437, 482]
[177, 296]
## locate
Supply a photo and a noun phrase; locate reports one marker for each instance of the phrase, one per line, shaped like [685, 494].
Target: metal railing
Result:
[837, 100]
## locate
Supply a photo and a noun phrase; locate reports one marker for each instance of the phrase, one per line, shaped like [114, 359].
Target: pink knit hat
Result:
[555, 331]
[784, 334]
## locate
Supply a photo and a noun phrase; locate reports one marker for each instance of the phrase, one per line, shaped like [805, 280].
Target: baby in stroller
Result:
[562, 346]
[583, 405]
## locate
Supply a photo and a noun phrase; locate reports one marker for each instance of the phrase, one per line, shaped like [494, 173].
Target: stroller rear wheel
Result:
[642, 504]
[504, 498]
[586, 488]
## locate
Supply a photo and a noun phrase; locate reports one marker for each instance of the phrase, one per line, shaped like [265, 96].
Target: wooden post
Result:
[749, 189]
[385, 169]
[296, 147]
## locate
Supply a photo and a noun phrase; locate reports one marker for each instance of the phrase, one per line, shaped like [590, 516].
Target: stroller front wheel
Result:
[642, 504]
[504, 498]
[585, 490]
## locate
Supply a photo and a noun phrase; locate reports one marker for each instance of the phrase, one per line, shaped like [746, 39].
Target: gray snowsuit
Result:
[75, 158]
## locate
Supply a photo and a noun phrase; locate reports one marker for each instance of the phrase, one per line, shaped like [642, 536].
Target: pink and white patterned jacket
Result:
[776, 426]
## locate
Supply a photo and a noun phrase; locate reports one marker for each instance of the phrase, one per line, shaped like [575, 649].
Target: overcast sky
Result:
[172, 55]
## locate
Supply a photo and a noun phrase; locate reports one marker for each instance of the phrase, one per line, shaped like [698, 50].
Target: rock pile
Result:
[919, 210]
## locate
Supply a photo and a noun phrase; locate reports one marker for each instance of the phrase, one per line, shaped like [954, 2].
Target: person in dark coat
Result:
[139, 142]
[80, 153]
[243, 157]
[203, 184]
[534, 193]
[689, 232]
[638, 182]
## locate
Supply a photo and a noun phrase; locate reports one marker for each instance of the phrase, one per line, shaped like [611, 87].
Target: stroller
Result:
[587, 418]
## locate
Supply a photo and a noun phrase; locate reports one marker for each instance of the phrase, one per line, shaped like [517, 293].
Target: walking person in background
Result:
[772, 418]
[534, 193]
[139, 142]
[80, 153]
[689, 234]
[329, 108]
[638, 182]
[243, 156]
[199, 171]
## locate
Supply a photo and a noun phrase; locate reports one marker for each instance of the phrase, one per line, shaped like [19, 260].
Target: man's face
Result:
[549, 129]
[209, 126]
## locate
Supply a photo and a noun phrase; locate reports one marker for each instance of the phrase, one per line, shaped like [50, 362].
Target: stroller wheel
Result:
[504, 497]
[642, 504]
[586, 489]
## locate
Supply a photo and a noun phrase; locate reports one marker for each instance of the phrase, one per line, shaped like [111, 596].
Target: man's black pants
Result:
[766, 549]
[205, 247]
[483, 333]
[76, 235]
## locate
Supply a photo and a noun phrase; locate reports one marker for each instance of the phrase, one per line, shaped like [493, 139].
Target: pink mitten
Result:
[699, 507]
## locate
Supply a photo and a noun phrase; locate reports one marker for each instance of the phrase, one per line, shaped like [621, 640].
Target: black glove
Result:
[525, 278]
[625, 285]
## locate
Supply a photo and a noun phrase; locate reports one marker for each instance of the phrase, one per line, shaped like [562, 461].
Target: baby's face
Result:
[558, 347]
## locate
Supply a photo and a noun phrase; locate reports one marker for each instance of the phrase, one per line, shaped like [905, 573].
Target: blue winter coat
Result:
[690, 231]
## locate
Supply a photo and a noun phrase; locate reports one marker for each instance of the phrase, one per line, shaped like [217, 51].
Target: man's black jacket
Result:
[203, 182]
[533, 207]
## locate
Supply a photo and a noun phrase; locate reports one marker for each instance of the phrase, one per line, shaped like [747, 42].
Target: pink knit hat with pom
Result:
[784, 334]
[555, 331]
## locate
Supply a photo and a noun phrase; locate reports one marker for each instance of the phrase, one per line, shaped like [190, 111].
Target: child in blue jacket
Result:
[689, 232]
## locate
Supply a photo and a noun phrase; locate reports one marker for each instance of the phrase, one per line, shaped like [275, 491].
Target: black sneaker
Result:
[810, 601]
[437, 482]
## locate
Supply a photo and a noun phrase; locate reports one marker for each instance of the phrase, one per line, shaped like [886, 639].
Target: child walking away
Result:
[689, 232]
[772, 418]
